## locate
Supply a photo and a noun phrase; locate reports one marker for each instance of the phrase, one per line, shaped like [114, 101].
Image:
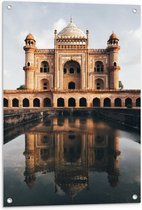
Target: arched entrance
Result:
[60, 102]
[15, 102]
[99, 83]
[71, 75]
[96, 102]
[5, 102]
[25, 102]
[107, 102]
[36, 102]
[82, 102]
[71, 85]
[138, 102]
[117, 102]
[128, 102]
[71, 102]
[47, 102]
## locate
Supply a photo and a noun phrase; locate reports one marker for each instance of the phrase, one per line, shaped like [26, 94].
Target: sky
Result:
[41, 19]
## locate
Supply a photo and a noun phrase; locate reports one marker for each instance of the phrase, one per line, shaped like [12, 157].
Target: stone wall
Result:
[16, 118]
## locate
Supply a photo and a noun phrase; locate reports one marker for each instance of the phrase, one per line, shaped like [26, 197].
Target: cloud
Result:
[130, 47]
[44, 9]
[6, 74]
[59, 25]
[45, 38]
[21, 36]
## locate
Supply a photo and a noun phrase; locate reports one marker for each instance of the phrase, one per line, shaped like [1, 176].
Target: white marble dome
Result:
[71, 31]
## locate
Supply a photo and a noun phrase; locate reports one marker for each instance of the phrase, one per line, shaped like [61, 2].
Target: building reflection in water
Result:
[71, 148]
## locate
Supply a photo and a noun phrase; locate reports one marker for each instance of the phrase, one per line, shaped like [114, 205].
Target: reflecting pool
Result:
[71, 160]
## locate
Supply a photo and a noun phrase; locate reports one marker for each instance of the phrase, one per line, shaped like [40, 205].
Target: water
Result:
[71, 160]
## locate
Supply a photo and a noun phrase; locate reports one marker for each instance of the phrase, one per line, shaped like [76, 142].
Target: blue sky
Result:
[41, 19]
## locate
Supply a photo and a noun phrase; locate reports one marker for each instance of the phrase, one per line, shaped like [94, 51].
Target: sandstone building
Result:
[71, 74]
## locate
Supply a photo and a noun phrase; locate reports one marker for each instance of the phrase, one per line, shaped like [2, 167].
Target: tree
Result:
[120, 85]
[21, 87]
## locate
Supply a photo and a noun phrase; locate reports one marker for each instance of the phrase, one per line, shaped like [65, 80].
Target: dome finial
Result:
[71, 19]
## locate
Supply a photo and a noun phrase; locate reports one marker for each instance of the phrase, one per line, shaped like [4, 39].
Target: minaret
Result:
[30, 47]
[113, 68]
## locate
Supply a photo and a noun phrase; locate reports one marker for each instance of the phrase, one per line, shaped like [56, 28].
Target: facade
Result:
[71, 74]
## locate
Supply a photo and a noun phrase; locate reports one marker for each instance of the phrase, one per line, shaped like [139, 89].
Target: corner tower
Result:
[30, 47]
[113, 49]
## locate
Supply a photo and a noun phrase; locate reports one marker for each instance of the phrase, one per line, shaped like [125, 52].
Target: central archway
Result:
[71, 102]
[71, 75]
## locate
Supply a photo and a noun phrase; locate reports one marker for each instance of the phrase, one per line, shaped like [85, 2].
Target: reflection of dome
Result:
[71, 31]
[71, 182]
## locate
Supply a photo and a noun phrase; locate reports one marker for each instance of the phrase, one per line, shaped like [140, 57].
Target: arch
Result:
[138, 102]
[5, 102]
[28, 63]
[44, 84]
[71, 85]
[72, 66]
[99, 83]
[107, 102]
[44, 67]
[96, 102]
[60, 102]
[36, 102]
[115, 64]
[47, 102]
[25, 102]
[99, 66]
[71, 73]
[15, 102]
[118, 102]
[82, 102]
[71, 102]
[128, 102]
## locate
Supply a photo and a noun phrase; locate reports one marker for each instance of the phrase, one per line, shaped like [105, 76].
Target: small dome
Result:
[71, 31]
[113, 36]
[30, 37]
